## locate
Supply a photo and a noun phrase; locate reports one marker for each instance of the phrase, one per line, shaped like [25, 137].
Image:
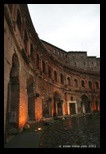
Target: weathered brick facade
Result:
[40, 79]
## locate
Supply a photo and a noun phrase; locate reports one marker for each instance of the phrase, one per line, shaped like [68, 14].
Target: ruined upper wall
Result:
[76, 59]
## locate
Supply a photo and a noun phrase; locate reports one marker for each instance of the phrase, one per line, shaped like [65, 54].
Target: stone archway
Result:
[85, 104]
[12, 120]
[58, 104]
[31, 102]
[47, 108]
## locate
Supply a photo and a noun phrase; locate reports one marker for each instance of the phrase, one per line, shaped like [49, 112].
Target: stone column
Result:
[76, 108]
[68, 107]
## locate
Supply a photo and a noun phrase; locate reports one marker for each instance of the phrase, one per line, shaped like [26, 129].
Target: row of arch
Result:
[42, 66]
[16, 15]
[54, 76]
[13, 108]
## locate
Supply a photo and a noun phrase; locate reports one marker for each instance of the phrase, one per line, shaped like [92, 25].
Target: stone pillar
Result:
[83, 107]
[38, 108]
[76, 108]
[68, 107]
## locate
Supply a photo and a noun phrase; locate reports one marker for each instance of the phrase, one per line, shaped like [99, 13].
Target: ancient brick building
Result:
[40, 79]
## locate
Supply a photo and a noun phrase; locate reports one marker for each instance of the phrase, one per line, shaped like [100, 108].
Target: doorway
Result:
[85, 104]
[72, 108]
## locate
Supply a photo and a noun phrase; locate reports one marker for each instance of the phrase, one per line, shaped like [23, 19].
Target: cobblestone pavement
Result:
[75, 132]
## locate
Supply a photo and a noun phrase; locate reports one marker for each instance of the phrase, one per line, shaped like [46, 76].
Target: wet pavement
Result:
[75, 132]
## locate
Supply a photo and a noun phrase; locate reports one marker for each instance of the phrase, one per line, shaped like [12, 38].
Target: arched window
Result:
[90, 85]
[61, 78]
[19, 20]
[97, 85]
[25, 37]
[25, 41]
[49, 72]
[83, 84]
[75, 83]
[55, 75]
[54, 51]
[31, 51]
[43, 67]
[37, 61]
[71, 98]
[68, 80]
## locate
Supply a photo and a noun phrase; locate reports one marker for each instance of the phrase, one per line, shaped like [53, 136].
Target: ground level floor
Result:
[74, 132]
[28, 98]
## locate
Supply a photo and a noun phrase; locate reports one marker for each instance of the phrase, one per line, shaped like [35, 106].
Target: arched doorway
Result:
[47, 108]
[31, 103]
[58, 104]
[12, 120]
[85, 104]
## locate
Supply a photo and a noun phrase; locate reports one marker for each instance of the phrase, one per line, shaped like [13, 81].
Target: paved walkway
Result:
[29, 138]
[76, 131]
[24, 140]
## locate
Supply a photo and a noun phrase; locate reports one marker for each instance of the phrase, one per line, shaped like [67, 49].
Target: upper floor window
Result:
[71, 98]
[90, 85]
[54, 51]
[58, 53]
[61, 78]
[97, 85]
[83, 84]
[37, 61]
[55, 75]
[62, 54]
[49, 72]
[43, 67]
[19, 20]
[75, 83]
[31, 51]
[68, 81]
[25, 37]
[25, 41]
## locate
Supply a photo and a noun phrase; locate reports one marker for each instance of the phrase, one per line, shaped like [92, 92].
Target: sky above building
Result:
[71, 27]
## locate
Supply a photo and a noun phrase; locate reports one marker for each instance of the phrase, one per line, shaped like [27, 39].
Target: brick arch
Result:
[68, 80]
[12, 118]
[57, 94]
[61, 78]
[85, 103]
[19, 20]
[43, 66]
[83, 83]
[58, 104]
[55, 75]
[75, 80]
[49, 71]
[96, 84]
[90, 84]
